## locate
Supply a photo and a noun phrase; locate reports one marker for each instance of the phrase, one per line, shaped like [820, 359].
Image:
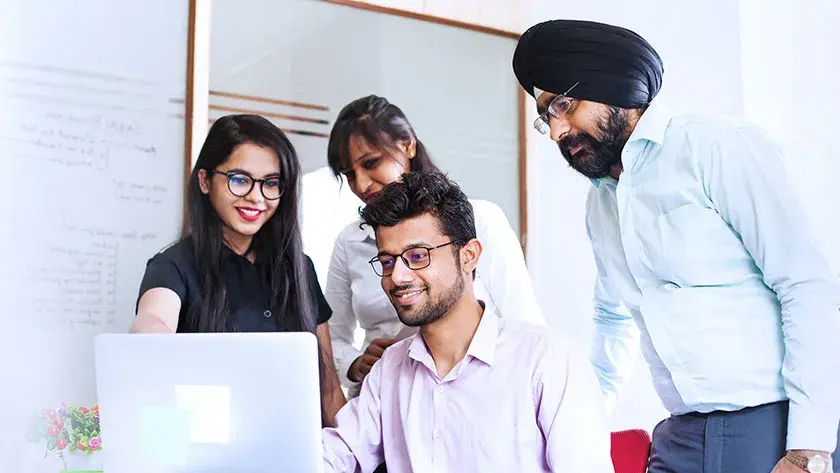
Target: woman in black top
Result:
[240, 266]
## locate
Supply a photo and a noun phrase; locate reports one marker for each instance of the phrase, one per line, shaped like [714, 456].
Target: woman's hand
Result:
[361, 367]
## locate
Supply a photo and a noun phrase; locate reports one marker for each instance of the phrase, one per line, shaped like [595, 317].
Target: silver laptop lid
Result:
[188, 403]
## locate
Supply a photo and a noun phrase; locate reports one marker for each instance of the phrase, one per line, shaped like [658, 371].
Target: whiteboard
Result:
[92, 145]
[455, 85]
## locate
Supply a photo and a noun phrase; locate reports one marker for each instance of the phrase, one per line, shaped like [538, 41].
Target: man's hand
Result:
[785, 466]
[362, 365]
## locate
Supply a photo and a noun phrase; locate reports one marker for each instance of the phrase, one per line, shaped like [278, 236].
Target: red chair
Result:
[630, 450]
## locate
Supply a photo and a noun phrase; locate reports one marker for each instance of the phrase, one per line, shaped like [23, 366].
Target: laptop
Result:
[209, 403]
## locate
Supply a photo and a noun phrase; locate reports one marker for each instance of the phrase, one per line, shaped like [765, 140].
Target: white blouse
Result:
[355, 295]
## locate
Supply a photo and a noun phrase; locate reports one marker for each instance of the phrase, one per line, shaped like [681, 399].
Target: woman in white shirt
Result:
[371, 145]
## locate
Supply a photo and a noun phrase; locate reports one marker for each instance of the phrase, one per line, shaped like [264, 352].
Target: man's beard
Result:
[432, 310]
[597, 157]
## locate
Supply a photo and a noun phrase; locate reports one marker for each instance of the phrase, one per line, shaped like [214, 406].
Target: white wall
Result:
[699, 44]
[500, 14]
[790, 69]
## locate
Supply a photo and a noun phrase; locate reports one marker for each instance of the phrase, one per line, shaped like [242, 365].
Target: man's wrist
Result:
[812, 461]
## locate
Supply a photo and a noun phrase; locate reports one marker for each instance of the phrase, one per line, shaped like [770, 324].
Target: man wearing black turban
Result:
[700, 246]
[612, 72]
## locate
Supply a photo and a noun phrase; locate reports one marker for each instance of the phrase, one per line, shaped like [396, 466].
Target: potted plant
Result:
[72, 434]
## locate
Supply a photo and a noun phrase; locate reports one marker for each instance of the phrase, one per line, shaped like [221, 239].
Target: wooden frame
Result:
[254, 98]
[523, 171]
[189, 100]
[521, 99]
[425, 17]
[189, 111]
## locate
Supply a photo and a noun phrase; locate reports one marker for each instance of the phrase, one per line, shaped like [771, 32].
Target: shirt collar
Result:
[233, 256]
[482, 346]
[597, 182]
[652, 125]
[361, 232]
[651, 128]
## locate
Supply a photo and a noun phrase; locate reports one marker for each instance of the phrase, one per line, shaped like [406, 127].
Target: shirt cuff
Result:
[812, 428]
[337, 455]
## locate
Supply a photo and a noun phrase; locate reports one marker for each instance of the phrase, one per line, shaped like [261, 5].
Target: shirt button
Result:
[267, 314]
[437, 434]
[440, 389]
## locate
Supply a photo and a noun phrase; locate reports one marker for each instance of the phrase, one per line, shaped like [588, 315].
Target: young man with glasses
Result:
[701, 246]
[470, 391]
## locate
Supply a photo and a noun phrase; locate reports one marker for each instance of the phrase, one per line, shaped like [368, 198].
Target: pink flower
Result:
[60, 444]
[53, 431]
[94, 443]
[83, 410]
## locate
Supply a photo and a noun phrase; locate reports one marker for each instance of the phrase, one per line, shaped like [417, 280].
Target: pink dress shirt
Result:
[520, 401]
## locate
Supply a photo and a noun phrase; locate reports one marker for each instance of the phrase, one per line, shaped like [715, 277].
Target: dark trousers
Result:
[751, 440]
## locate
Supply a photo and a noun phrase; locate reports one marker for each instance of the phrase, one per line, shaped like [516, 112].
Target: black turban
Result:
[614, 66]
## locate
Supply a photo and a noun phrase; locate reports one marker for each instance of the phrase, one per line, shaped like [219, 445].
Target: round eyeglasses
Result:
[558, 107]
[241, 184]
[418, 257]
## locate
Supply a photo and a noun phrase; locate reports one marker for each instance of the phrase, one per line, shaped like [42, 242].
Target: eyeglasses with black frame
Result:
[415, 258]
[241, 184]
[557, 108]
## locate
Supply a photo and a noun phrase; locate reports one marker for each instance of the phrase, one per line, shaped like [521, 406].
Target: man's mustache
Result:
[409, 287]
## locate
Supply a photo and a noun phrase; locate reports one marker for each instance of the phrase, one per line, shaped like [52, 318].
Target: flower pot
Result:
[80, 462]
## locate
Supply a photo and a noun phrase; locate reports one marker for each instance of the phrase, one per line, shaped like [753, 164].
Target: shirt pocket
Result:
[694, 246]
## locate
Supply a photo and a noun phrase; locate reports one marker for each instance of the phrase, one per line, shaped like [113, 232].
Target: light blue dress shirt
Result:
[702, 249]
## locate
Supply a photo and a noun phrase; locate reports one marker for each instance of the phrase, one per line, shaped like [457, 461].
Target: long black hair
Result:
[277, 246]
[382, 125]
